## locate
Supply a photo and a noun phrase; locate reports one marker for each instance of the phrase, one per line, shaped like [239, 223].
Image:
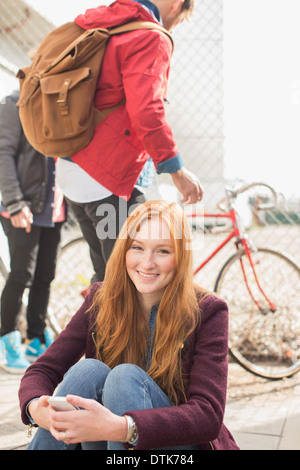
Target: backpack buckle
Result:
[62, 98]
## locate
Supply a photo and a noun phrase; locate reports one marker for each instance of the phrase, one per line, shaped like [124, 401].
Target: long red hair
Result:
[122, 333]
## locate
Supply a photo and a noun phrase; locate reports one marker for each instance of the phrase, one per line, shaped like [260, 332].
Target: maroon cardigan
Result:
[198, 421]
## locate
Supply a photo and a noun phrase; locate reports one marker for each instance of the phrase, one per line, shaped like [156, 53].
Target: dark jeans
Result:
[100, 223]
[32, 261]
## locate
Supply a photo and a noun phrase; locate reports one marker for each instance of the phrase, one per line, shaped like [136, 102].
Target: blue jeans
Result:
[124, 388]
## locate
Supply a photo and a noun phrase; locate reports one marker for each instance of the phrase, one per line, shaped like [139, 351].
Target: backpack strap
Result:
[118, 30]
[140, 25]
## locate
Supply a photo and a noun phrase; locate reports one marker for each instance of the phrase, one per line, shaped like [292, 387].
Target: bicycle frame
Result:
[235, 233]
[241, 239]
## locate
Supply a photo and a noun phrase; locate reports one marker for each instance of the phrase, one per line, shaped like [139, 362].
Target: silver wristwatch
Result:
[132, 433]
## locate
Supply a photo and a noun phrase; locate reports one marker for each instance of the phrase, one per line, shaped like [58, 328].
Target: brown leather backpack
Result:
[56, 104]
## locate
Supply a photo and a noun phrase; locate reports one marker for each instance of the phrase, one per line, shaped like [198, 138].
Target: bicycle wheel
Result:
[74, 271]
[264, 342]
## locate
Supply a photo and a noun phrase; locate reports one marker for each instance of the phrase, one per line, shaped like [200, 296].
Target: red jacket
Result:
[136, 67]
[204, 364]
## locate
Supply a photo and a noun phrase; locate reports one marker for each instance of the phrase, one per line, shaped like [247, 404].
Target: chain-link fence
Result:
[196, 95]
[195, 112]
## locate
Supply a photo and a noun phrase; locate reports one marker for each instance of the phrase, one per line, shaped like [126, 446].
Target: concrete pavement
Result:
[261, 414]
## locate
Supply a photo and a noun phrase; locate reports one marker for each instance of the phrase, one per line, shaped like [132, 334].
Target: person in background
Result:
[32, 214]
[99, 182]
[155, 346]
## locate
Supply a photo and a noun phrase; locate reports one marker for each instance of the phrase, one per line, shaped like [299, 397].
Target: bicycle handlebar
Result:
[232, 194]
[262, 206]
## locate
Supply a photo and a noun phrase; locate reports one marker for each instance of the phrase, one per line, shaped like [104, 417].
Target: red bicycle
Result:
[261, 287]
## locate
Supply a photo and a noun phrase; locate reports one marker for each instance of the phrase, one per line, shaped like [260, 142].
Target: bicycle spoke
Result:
[263, 340]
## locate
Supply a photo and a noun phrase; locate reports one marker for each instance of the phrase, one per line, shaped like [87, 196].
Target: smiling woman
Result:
[154, 268]
[150, 263]
[155, 372]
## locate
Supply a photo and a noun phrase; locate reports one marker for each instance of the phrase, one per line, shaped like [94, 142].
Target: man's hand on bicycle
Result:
[189, 186]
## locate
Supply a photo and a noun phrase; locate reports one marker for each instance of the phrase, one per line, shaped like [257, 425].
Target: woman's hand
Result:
[39, 412]
[92, 423]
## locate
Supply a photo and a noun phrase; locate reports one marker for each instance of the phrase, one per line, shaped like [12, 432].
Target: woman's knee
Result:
[124, 388]
[86, 379]
[128, 387]
[86, 367]
[123, 375]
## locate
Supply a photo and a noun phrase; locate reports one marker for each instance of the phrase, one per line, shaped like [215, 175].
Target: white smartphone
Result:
[60, 404]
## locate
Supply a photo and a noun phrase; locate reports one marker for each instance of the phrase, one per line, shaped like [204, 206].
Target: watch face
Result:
[134, 434]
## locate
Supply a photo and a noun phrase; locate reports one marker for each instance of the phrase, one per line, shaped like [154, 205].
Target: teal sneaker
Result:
[35, 348]
[16, 363]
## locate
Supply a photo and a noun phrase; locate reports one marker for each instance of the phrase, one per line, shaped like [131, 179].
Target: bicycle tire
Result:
[74, 271]
[265, 343]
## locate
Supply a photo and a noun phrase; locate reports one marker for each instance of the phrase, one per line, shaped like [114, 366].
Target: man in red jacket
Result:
[99, 181]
